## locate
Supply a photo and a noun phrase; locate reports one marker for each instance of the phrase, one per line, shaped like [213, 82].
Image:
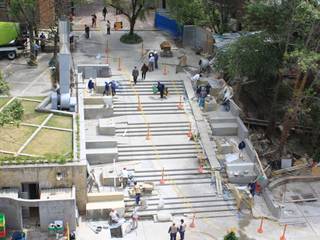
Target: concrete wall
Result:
[49, 211]
[94, 70]
[73, 174]
[64, 210]
[242, 130]
[12, 211]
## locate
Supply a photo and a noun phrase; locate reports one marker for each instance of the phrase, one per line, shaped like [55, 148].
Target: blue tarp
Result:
[164, 22]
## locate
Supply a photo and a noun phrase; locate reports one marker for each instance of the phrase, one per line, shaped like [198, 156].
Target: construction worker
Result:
[182, 229]
[135, 75]
[137, 191]
[173, 231]
[106, 89]
[92, 181]
[114, 216]
[135, 217]
[124, 176]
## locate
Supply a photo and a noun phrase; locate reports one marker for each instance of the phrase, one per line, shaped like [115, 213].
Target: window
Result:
[3, 3]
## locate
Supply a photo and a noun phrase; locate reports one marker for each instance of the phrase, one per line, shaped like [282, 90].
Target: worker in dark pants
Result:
[106, 89]
[87, 31]
[135, 74]
[137, 191]
[182, 229]
[113, 88]
[161, 89]
[173, 231]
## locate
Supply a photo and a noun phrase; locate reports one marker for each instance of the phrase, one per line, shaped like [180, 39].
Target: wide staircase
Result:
[151, 134]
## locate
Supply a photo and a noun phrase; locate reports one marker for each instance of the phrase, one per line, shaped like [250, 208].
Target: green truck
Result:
[11, 41]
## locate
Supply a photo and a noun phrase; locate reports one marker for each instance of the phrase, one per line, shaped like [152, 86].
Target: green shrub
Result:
[12, 114]
[4, 86]
[231, 236]
[131, 38]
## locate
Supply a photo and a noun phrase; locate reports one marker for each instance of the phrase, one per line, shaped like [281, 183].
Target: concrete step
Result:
[182, 203]
[224, 209]
[146, 108]
[125, 104]
[152, 130]
[97, 111]
[156, 157]
[218, 119]
[169, 173]
[102, 143]
[167, 152]
[195, 198]
[154, 112]
[182, 145]
[151, 83]
[153, 133]
[101, 155]
[160, 123]
[177, 182]
[224, 129]
[159, 148]
[174, 179]
[151, 125]
[146, 93]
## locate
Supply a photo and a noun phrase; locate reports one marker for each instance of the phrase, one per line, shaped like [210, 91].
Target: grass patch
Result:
[4, 100]
[131, 38]
[52, 142]
[40, 98]
[60, 122]
[30, 115]
[12, 137]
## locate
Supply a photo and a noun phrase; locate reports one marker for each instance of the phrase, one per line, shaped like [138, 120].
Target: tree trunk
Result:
[291, 116]
[132, 24]
[272, 119]
[33, 57]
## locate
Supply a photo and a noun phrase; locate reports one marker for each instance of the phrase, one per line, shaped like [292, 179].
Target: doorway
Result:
[30, 190]
[164, 4]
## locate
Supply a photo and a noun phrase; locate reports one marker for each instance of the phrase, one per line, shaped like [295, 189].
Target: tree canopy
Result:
[282, 54]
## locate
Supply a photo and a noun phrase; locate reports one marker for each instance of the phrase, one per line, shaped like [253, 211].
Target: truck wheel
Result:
[11, 55]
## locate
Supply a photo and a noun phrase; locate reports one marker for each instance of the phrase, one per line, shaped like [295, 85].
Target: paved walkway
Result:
[132, 139]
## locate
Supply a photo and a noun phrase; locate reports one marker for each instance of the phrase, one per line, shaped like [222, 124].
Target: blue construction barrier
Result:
[164, 22]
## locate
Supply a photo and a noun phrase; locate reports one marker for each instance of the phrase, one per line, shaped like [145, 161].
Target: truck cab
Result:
[12, 42]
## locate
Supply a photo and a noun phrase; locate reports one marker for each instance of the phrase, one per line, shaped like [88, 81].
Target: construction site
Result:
[188, 161]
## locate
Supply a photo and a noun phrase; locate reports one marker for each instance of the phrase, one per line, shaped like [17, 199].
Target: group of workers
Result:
[173, 230]
[107, 87]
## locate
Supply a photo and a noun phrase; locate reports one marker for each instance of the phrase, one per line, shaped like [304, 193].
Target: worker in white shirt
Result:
[124, 176]
[114, 216]
[182, 229]
[196, 77]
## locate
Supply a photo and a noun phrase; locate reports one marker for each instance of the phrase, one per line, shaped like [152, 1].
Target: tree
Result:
[292, 27]
[231, 236]
[133, 10]
[4, 86]
[25, 11]
[187, 12]
[214, 14]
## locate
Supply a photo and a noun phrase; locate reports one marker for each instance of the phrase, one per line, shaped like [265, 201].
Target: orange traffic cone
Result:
[162, 177]
[148, 137]
[190, 131]
[192, 224]
[260, 229]
[180, 106]
[139, 108]
[283, 236]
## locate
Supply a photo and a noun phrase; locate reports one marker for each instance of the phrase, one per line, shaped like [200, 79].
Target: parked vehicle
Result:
[12, 42]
